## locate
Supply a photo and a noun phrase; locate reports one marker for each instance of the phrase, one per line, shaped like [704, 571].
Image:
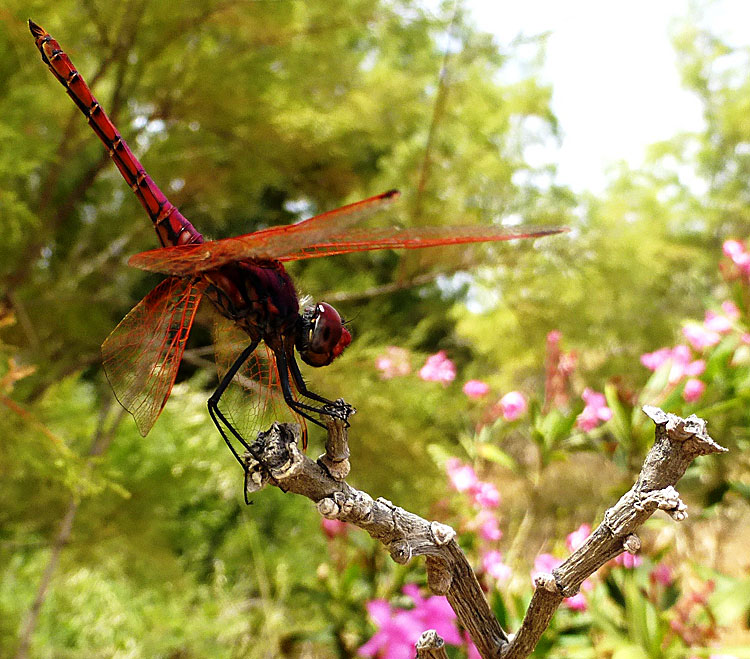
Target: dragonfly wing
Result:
[142, 354]
[273, 243]
[254, 399]
[365, 239]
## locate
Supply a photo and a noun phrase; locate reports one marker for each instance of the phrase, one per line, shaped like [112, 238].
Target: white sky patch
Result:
[616, 87]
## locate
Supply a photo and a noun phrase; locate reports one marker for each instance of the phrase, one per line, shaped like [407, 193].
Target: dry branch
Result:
[275, 459]
[431, 646]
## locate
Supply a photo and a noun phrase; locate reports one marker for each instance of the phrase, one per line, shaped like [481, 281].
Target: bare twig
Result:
[275, 459]
[336, 457]
[678, 442]
[431, 646]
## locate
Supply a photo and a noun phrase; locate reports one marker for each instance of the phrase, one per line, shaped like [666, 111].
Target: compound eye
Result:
[324, 337]
[326, 330]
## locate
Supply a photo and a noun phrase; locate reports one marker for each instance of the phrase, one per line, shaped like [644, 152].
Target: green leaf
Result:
[497, 455]
[620, 422]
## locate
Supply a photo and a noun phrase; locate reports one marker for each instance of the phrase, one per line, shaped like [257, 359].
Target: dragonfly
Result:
[244, 279]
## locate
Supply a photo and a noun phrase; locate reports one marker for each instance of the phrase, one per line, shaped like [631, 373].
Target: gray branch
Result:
[275, 459]
[678, 442]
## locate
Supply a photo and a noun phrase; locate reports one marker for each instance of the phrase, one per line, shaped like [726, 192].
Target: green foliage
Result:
[245, 113]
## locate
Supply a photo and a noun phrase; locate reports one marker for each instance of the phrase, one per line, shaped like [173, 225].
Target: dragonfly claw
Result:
[340, 409]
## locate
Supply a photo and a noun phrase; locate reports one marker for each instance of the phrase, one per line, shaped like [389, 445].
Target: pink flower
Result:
[693, 390]
[394, 363]
[730, 310]
[485, 495]
[399, 629]
[334, 527]
[576, 603]
[471, 649]
[438, 368]
[476, 388]
[593, 398]
[462, 477]
[578, 537]
[661, 574]
[492, 564]
[489, 529]
[715, 322]
[628, 560]
[679, 358]
[681, 354]
[595, 411]
[653, 360]
[742, 261]
[700, 336]
[434, 613]
[513, 405]
[695, 368]
[544, 564]
[733, 248]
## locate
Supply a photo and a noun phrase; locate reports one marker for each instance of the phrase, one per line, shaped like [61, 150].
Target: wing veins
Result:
[143, 353]
[186, 260]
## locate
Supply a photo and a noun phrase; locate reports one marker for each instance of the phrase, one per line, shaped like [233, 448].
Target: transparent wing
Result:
[142, 354]
[273, 243]
[365, 239]
[254, 399]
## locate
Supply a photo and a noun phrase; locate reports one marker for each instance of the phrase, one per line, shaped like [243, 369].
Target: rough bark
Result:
[275, 459]
[431, 646]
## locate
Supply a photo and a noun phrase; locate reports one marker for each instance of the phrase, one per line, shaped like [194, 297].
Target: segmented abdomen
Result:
[171, 226]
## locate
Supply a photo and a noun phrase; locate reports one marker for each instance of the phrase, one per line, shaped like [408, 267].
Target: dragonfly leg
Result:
[217, 416]
[299, 382]
[284, 365]
[331, 408]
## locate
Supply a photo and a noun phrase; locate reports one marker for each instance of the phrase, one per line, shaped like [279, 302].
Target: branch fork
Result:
[275, 459]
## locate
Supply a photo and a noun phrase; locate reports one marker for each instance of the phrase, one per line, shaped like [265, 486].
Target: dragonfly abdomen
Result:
[171, 226]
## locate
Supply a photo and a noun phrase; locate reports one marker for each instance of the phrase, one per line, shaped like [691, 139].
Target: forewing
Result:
[273, 243]
[254, 399]
[366, 239]
[142, 354]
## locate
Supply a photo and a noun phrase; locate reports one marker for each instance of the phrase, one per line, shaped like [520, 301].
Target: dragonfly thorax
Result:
[322, 336]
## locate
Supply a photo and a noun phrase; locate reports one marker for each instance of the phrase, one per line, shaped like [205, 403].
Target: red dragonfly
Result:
[243, 277]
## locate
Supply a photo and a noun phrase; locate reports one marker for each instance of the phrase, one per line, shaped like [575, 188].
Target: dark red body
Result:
[258, 296]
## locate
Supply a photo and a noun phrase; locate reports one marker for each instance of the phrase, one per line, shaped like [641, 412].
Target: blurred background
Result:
[498, 388]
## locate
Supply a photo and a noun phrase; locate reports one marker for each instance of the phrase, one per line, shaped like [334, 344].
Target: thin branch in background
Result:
[31, 420]
[383, 289]
[102, 439]
[438, 107]
[23, 318]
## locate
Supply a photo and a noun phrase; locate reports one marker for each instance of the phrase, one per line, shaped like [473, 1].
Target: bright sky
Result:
[614, 74]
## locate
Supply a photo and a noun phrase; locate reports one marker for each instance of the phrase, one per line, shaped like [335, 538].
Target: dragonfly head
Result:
[323, 336]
